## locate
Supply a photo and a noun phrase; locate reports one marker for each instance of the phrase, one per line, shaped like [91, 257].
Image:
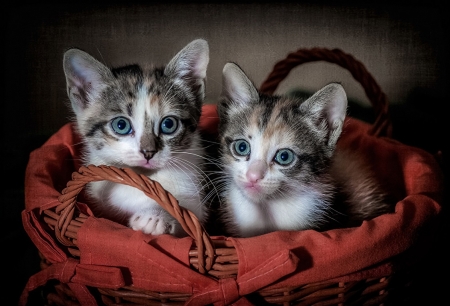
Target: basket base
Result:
[396, 289]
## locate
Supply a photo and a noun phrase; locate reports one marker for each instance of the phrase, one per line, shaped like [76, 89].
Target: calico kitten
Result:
[281, 169]
[144, 118]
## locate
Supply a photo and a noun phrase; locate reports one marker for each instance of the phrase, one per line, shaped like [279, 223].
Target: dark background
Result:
[404, 46]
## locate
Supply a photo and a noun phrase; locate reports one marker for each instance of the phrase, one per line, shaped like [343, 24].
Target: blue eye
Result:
[169, 125]
[121, 126]
[284, 157]
[241, 147]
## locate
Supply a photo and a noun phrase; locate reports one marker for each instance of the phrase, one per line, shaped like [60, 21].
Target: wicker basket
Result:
[206, 269]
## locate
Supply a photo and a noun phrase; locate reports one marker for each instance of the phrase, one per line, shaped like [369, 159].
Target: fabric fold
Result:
[229, 291]
[78, 277]
[113, 255]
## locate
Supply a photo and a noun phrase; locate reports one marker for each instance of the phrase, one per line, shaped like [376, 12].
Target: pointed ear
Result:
[85, 78]
[237, 89]
[328, 107]
[190, 65]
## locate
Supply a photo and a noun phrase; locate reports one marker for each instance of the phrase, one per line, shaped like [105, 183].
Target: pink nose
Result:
[256, 171]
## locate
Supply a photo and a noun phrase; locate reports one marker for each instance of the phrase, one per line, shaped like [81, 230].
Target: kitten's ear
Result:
[328, 108]
[237, 89]
[85, 78]
[190, 65]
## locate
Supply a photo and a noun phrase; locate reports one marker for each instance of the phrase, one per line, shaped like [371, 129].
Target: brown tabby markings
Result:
[119, 116]
[282, 169]
[154, 100]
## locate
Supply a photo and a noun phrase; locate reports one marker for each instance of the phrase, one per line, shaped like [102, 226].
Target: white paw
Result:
[154, 221]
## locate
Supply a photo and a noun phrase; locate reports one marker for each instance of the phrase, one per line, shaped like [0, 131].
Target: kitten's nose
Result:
[148, 154]
[148, 145]
[256, 171]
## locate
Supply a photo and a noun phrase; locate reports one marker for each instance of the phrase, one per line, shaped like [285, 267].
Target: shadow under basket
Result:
[93, 261]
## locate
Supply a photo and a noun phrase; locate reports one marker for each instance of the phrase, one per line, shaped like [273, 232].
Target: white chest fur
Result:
[286, 213]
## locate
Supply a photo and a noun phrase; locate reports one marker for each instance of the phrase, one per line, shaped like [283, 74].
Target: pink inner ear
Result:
[84, 82]
[191, 61]
[237, 86]
[200, 66]
[85, 77]
[337, 108]
[336, 112]
[74, 83]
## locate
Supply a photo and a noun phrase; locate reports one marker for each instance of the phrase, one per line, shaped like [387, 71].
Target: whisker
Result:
[211, 161]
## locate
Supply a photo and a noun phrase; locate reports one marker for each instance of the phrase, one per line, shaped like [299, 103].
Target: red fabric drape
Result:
[274, 260]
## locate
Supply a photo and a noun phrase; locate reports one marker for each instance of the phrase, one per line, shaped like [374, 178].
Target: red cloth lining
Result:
[113, 255]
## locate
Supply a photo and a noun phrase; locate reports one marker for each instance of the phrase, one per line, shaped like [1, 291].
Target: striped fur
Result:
[292, 176]
[125, 117]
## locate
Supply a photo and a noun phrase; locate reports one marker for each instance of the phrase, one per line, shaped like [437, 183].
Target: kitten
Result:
[143, 118]
[281, 169]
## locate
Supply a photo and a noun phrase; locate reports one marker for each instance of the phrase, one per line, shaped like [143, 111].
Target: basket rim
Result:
[213, 256]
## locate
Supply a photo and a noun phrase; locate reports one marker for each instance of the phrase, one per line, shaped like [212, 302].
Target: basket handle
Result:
[382, 125]
[153, 190]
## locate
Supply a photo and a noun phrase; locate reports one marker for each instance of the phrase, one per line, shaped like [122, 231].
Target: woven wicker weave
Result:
[214, 257]
[217, 257]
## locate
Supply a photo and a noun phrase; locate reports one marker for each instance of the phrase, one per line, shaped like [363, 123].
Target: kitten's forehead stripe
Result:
[272, 126]
[263, 117]
[158, 73]
[131, 76]
[139, 119]
[263, 114]
[130, 109]
[154, 100]
[255, 118]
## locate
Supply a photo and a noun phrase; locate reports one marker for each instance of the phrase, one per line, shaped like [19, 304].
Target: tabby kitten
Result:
[144, 118]
[281, 169]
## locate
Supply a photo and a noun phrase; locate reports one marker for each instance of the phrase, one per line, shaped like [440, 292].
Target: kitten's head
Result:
[275, 146]
[137, 116]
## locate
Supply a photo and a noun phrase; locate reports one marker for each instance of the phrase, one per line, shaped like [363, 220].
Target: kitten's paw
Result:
[155, 222]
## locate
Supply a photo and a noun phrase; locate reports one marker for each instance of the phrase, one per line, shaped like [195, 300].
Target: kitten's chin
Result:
[149, 166]
[144, 169]
[252, 192]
